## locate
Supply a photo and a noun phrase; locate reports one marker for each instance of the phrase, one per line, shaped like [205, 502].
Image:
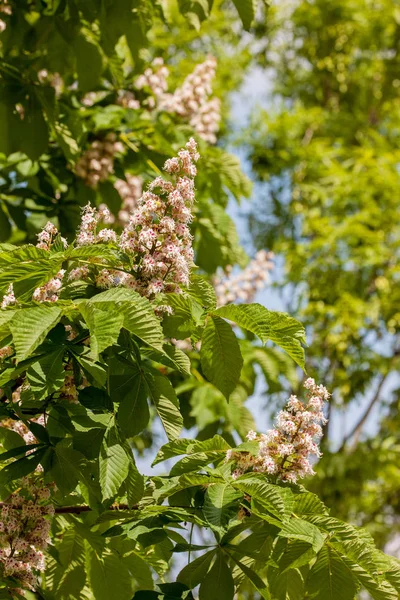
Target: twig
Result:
[356, 431]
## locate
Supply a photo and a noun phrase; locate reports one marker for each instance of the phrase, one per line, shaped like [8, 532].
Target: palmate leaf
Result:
[298, 529]
[201, 454]
[186, 318]
[221, 503]
[47, 375]
[109, 576]
[173, 448]
[271, 497]
[166, 402]
[138, 314]
[280, 328]
[259, 584]
[203, 292]
[221, 359]
[134, 485]
[330, 578]
[68, 578]
[195, 571]
[129, 388]
[104, 326]
[30, 326]
[113, 463]
[218, 583]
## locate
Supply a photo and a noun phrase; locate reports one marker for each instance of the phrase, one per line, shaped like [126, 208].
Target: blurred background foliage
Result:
[326, 156]
[324, 159]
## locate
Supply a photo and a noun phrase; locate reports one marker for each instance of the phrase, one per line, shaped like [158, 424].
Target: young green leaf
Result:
[218, 583]
[221, 359]
[280, 328]
[113, 463]
[30, 326]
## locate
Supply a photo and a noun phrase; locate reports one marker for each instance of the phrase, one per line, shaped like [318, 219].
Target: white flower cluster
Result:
[127, 99]
[50, 291]
[97, 163]
[5, 9]
[191, 101]
[130, 192]
[9, 298]
[154, 79]
[24, 533]
[47, 237]
[285, 450]
[5, 352]
[156, 238]
[244, 286]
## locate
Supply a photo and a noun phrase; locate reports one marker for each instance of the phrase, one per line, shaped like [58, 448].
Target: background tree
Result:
[122, 318]
[328, 154]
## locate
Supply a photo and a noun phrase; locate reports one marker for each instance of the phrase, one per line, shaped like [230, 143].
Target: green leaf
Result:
[104, 326]
[30, 326]
[65, 469]
[21, 467]
[270, 496]
[221, 503]
[69, 577]
[134, 485]
[138, 314]
[173, 448]
[247, 11]
[259, 584]
[129, 387]
[167, 404]
[299, 529]
[95, 399]
[221, 359]
[218, 583]
[280, 328]
[203, 292]
[330, 578]
[47, 375]
[139, 569]
[89, 64]
[10, 439]
[89, 442]
[109, 576]
[195, 571]
[186, 318]
[113, 463]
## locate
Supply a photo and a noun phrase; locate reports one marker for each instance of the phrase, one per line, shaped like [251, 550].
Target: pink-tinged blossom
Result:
[47, 237]
[157, 234]
[232, 288]
[192, 101]
[9, 298]
[97, 163]
[130, 191]
[51, 290]
[154, 80]
[285, 451]
[25, 532]
[5, 352]
[127, 99]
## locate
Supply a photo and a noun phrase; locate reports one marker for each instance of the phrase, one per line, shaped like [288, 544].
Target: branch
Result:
[360, 424]
[76, 510]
